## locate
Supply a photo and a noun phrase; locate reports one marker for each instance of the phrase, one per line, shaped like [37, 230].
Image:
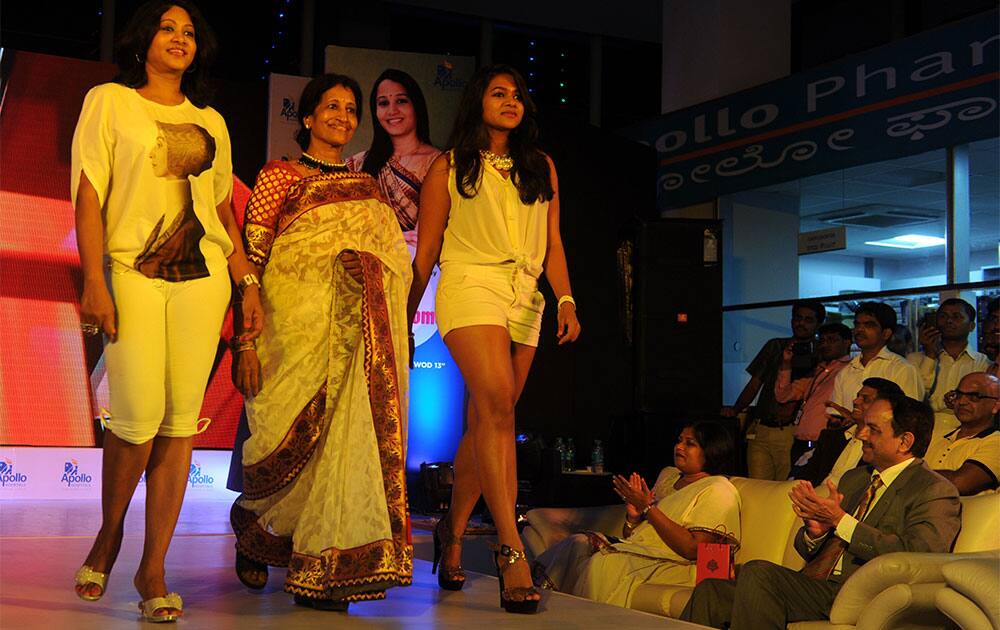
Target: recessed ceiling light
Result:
[909, 241]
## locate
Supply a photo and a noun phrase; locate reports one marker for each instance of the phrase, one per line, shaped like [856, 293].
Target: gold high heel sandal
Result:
[148, 608]
[86, 576]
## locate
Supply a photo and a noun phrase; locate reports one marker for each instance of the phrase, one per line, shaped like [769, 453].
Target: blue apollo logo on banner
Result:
[197, 478]
[446, 79]
[73, 477]
[929, 91]
[10, 478]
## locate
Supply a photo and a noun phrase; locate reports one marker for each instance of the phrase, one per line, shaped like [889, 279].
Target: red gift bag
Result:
[716, 560]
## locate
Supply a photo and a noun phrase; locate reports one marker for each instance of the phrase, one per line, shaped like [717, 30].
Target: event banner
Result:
[75, 473]
[929, 91]
[283, 115]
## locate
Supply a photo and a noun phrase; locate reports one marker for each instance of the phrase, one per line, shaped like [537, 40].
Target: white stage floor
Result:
[42, 544]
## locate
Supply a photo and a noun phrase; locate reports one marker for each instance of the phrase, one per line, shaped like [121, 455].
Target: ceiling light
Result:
[909, 241]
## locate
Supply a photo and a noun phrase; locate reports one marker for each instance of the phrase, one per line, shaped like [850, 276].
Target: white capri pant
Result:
[168, 334]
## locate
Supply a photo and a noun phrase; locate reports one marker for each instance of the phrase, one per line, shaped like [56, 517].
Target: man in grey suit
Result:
[896, 503]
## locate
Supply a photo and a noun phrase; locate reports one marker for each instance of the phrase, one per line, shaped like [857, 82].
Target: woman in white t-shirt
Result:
[152, 185]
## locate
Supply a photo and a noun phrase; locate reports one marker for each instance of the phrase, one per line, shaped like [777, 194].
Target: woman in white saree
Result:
[323, 469]
[691, 502]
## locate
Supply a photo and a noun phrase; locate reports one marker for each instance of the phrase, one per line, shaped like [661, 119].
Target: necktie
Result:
[823, 563]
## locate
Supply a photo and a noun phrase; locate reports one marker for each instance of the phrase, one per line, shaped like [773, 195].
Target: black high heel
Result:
[450, 578]
[514, 599]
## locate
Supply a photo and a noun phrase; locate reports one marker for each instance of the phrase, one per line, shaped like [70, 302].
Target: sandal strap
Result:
[86, 575]
[151, 605]
[512, 555]
[450, 573]
[519, 593]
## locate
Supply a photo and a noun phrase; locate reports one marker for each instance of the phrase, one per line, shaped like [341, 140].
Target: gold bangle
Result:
[564, 299]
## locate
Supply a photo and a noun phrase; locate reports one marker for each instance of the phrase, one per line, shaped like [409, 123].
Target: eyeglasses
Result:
[974, 397]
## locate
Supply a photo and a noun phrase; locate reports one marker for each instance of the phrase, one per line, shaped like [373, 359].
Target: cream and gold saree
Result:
[324, 467]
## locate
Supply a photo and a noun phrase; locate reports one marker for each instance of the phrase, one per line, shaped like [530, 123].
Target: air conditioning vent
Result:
[878, 216]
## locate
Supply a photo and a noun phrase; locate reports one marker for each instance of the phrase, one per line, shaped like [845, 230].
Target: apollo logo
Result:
[196, 478]
[446, 79]
[9, 478]
[72, 475]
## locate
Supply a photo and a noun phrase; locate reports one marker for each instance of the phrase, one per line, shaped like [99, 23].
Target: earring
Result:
[138, 58]
[190, 68]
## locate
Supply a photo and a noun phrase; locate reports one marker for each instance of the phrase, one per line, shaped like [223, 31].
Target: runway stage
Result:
[42, 543]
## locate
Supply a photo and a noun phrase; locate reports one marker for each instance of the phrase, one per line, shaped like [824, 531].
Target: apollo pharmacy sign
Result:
[926, 92]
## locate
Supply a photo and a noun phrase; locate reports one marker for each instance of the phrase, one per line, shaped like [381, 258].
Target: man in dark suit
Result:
[895, 503]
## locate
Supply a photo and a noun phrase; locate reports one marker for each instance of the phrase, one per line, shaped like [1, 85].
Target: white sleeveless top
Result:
[494, 227]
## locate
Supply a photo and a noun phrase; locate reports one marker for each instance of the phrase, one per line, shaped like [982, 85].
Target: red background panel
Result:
[51, 377]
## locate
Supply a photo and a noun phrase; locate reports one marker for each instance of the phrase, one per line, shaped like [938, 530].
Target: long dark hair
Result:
[134, 41]
[314, 91]
[531, 170]
[381, 149]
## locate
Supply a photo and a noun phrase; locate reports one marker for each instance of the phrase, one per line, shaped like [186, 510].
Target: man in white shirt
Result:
[969, 456]
[896, 503]
[874, 323]
[946, 358]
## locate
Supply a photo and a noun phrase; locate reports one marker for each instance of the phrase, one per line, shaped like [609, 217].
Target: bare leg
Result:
[122, 466]
[483, 354]
[166, 481]
[466, 490]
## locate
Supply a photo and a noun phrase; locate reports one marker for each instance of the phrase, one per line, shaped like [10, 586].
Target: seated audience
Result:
[690, 503]
[769, 448]
[874, 323]
[946, 358]
[991, 336]
[834, 352]
[894, 503]
[838, 448]
[969, 456]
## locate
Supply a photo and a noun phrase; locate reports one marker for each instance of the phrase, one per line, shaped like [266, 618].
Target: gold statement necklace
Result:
[499, 162]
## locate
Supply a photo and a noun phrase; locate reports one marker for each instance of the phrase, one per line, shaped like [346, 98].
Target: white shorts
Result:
[475, 295]
[168, 334]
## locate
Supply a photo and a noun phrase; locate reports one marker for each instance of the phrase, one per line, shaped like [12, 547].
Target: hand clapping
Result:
[634, 492]
[823, 513]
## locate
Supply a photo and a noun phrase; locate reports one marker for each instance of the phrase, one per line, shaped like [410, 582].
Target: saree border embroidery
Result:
[383, 394]
[325, 189]
[257, 543]
[358, 574]
[284, 463]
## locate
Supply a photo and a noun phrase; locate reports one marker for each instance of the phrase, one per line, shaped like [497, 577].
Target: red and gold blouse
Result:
[282, 194]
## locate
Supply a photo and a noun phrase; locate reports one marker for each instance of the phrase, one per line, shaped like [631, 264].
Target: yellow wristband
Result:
[564, 299]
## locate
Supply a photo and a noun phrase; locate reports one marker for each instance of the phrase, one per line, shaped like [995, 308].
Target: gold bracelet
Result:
[564, 299]
[248, 280]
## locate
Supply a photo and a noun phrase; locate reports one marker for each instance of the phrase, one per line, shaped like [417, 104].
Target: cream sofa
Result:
[971, 595]
[768, 532]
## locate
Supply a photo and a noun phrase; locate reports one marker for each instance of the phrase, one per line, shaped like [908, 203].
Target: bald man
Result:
[969, 456]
